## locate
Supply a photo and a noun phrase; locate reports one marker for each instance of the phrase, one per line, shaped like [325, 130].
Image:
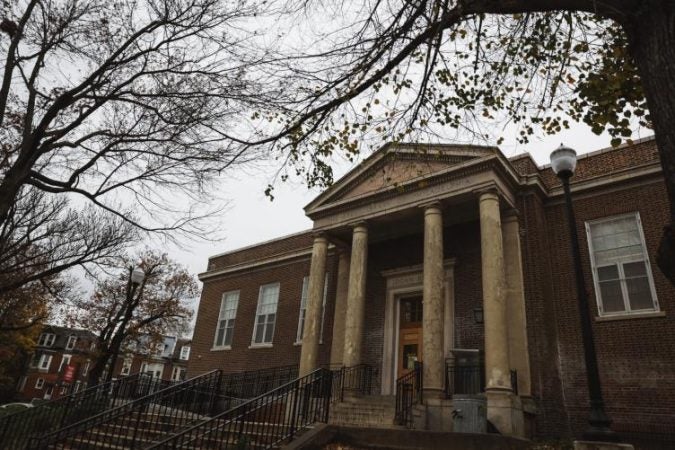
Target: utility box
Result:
[469, 414]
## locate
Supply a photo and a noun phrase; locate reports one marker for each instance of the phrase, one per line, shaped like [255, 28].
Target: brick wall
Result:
[637, 355]
[283, 351]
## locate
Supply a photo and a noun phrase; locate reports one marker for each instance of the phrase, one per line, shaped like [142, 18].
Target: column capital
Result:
[487, 193]
[359, 227]
[434, 207]
[510, 215]
[320, 236]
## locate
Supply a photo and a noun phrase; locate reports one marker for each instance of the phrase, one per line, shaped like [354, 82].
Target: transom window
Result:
[266, 314]
[303, 309]
[46, 339]
[226, 318]
[621, 269]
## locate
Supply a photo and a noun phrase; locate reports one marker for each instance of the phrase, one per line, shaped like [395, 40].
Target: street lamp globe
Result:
[137, 275]
[563, 161]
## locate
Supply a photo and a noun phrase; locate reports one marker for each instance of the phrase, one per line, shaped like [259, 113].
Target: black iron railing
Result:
[238, 387]
[135, 424]
[408, 393]
[16, 429]
[356, 380]
[262, 422]
[465, 380]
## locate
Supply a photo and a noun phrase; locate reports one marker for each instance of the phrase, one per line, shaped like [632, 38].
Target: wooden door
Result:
[410, 333]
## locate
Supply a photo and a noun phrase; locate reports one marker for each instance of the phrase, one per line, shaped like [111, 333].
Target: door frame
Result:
[403, 282]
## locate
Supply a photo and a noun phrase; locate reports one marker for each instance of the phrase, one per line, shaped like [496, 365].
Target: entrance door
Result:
[410, 334]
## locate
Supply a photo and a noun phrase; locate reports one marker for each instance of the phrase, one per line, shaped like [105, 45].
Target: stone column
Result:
[515, 305]
[312, 328]
[497, 369]
[356, 297]
[338, 342]
[433, 306]
[494, 294]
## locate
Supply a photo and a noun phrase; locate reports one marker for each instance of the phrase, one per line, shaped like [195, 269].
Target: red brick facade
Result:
[47, 375]
[636, 354]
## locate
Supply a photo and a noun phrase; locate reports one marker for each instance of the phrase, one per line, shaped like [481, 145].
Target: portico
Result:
[408, 190]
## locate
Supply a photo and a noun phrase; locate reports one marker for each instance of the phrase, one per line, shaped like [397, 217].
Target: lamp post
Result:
[563, 163]
[136, 277]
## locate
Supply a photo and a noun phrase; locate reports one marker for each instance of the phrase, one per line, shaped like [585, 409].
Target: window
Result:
[46, 339]
[64, 389]
[126, 366]
[76, 388]
[621, 270]
[303, 309]
[185, 352]
[226, 318]
[154, 369]
[39, 383]
[45, 362]
[72, 339]
[178, 374]
[266, 315]
[86, 368]
[22, 383]
[64, 361]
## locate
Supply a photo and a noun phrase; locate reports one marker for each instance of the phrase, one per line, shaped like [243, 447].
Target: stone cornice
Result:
[404, 151]
[262, 263]
[470, 167]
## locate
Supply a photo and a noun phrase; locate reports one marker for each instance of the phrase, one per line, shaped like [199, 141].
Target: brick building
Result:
[59, 365]
[483, 241]
[166, 360]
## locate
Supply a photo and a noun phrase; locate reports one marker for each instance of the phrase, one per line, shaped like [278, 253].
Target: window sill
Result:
[260, 346]
[643, 315]
[300, 343]
[221, 348]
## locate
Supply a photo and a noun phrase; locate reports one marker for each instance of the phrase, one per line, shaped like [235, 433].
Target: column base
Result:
[505, 412]
[594, 445]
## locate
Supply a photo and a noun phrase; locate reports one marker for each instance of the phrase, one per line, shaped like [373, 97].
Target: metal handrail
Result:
[408, 393]
[133, 424]
[264, 421]
[16, 429]
[252, 383]
[465, 380]
[355, 379]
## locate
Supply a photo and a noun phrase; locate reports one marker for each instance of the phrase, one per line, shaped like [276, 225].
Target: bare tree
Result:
[370, 71]
[121, 103]
[119, 314]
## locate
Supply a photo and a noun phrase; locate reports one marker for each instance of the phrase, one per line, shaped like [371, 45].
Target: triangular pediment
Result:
[398, 165]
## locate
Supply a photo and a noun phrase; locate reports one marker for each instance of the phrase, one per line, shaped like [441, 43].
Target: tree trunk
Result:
[651, 32]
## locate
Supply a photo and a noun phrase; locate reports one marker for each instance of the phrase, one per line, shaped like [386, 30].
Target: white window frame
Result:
[266, 324]
[22, 383]
[86, 368]
[65, 360]
[303, 308]
[185, 352]
[45, 358]
[624, 292]
[40, 383]
[126, 366]
[46, 339]
[224, 323]
[76, 387]
[72, 339]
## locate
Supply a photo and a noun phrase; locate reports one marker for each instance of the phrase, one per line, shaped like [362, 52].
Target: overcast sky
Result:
[253, 218]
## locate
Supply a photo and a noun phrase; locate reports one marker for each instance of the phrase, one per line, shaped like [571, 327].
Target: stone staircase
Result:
[371, 411]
